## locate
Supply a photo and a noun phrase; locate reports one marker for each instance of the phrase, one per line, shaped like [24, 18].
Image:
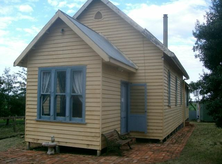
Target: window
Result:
[181, 92]
[176, 91]
[187, 97]
[169, 87]
[61, 94]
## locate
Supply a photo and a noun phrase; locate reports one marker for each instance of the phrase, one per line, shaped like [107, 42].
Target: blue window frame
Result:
[61, 94]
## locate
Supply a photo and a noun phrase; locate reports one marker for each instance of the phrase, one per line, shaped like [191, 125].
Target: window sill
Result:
[58, 121]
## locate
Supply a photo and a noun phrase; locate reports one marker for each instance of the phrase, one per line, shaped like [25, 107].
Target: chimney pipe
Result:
[165, 30]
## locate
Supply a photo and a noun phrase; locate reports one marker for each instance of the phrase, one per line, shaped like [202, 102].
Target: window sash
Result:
[181, 92]
[41, 107]
[169, 88]
[176, 91]
[68, 93]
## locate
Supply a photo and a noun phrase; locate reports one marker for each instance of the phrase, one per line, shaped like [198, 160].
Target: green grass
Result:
[7, 131]
[203, 147]
[3, 122]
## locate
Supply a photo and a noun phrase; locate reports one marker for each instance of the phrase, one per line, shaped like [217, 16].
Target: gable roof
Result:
[97, 42]
[143, 31]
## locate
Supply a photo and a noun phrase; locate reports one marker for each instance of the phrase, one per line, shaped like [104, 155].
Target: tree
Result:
[208, 48]
[12, 93]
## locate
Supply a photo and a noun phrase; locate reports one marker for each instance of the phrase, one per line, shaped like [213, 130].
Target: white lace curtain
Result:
[46, 82]
[45, 89]
[77, 84]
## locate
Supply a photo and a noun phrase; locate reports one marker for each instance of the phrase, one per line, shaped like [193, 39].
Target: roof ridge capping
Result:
[143, 31]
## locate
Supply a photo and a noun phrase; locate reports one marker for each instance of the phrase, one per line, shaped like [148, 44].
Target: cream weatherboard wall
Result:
[111, 93]
[143, 53]
[174, 113]
[65, 49]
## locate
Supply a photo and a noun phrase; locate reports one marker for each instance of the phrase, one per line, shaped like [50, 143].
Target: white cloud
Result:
[71, 5]
[186, 56]
[6, 10]
[53, 2]
[182, 16]
[5, 21]
[70, 11]
[27, 17]
[19, 29]
[62, 4]
[12, 1]
[32, 31]
[25, 8]
[11, 48]
[115, 3]
[3, 33]
[67, 3]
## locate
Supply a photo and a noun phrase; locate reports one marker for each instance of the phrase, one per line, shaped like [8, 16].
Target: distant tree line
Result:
[12, 93]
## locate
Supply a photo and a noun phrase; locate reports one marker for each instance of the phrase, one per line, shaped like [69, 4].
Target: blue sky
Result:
[21, 20]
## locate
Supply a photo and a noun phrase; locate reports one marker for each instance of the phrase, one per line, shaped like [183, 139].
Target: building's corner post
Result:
[98, 153]
[28, 145]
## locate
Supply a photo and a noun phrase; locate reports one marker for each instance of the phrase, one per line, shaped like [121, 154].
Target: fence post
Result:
[7, 121]
[14, 124]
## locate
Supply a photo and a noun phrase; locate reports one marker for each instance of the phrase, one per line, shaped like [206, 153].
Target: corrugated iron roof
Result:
[143, 31]
[103, 43]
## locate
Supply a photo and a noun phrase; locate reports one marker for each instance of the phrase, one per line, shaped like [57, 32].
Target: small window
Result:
[61, 93]
[181, 92]
[98, 15]
[187, 96]
[176, 91]
[169, 88]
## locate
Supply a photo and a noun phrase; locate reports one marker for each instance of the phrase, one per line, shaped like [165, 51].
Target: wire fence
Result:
[11, 126]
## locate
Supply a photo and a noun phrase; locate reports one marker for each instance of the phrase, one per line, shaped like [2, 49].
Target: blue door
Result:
[137, 108]
[124, 107]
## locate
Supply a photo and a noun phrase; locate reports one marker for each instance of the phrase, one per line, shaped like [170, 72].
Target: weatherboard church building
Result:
[98, 71]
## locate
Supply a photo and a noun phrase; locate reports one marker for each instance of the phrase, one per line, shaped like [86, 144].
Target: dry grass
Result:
[7, 130]
[11, 143]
